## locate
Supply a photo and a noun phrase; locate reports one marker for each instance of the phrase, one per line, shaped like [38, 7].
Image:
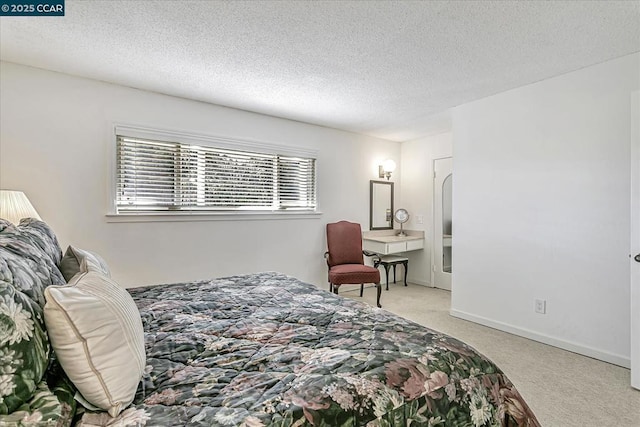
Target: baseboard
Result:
[595, 353]
[419, 282]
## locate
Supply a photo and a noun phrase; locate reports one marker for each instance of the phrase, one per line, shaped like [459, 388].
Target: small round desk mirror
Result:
[401, 216]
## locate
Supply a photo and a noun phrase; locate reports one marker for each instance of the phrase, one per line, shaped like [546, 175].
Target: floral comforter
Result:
[268, 350]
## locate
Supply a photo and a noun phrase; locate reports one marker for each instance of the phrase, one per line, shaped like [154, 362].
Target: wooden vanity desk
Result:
[385, 242]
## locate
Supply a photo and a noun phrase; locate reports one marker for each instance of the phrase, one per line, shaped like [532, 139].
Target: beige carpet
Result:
[564, 389]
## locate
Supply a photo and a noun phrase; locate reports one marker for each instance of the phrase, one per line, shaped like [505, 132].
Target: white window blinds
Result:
[156, 176]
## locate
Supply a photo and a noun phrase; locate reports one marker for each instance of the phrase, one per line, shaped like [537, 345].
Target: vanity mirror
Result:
[380, 205]
[401, 216]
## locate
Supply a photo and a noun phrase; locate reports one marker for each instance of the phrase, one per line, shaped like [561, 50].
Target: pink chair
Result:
[345, 258]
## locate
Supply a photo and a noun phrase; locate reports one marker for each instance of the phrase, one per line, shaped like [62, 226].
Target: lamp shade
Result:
[389, 165]
[14, 206]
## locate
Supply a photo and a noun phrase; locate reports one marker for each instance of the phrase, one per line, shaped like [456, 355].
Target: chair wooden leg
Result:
[335, 289]
[379, 288]
[361, 289]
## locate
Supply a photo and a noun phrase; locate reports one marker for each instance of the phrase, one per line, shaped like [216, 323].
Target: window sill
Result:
[209, 216]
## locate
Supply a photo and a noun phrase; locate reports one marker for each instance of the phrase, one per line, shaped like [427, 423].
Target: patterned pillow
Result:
[43, 237]
[73, 257]
[28, 257]
[52, 404]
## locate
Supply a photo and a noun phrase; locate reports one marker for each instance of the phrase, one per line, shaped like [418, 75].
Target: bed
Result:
[270, 350]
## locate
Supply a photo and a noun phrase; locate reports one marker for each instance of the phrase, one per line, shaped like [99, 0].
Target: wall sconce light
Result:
[385, 169]
[14, 206]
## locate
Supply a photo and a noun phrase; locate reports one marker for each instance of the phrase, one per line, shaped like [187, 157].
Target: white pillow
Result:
[96, 332]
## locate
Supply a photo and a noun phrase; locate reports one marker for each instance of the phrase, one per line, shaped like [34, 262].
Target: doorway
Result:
[442, 223]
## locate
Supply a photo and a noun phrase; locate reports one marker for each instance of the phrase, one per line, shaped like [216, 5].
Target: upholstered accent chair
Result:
[345, 258]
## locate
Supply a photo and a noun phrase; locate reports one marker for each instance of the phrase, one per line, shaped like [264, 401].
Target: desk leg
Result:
[406, 271]
[386, 271]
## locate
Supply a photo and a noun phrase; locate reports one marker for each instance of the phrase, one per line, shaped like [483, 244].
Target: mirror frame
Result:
[372, 183]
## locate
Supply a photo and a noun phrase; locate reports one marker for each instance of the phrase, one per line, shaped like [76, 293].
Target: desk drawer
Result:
[395, 247]
[377, 247]
[412, 245]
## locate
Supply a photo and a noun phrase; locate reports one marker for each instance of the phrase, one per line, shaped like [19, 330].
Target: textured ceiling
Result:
[387, 69]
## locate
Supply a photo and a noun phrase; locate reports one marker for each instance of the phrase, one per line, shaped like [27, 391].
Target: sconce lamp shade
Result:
[14, 206]
[389, 165]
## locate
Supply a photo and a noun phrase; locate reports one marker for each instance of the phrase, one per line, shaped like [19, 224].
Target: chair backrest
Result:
[344, 243]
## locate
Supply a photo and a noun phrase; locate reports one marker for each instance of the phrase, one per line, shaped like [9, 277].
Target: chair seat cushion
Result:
[353, 274]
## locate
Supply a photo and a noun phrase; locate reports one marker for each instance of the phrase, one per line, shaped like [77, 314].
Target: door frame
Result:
[635, 240]
[434, 225]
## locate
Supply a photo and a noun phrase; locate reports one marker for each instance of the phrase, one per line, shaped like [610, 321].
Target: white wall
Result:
[541, 209]
[417, 196]
[54, 145]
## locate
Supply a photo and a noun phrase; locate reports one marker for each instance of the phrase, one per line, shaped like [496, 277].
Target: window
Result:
[168, 174]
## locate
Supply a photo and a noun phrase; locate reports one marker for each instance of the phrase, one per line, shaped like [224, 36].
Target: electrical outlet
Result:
[419, 219]
[541, 306]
